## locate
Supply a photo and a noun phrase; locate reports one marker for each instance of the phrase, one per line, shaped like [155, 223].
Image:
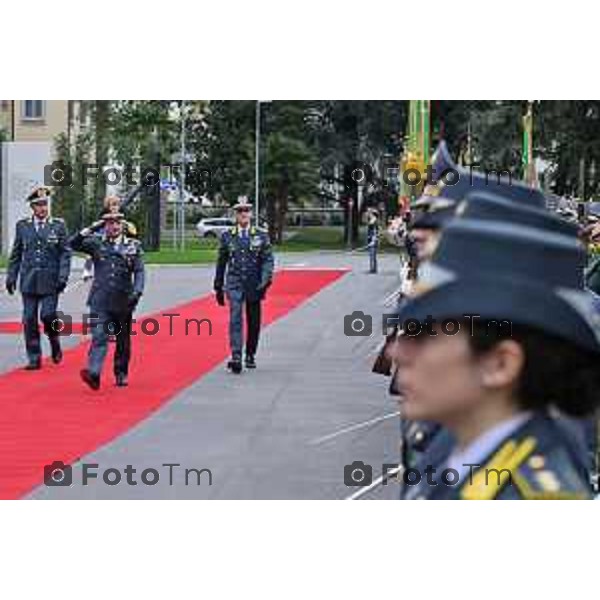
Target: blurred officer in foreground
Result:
[372, 238]
[244, 272]
[117, 288]
[41, 258]
[427, 442]
[499, 389]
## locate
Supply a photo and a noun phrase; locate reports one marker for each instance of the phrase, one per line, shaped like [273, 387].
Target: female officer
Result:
[501, 340]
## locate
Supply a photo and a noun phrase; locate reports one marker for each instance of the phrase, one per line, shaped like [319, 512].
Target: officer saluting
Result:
[245, 254]
[117, 288]
[41, 257]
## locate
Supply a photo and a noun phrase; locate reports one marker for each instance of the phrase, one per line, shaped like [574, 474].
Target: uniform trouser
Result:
[36, 308]
[123, 348]
[373, 258]
[104, 324]
[237, 299]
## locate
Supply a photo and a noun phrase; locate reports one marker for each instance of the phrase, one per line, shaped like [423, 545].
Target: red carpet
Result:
[50, 415]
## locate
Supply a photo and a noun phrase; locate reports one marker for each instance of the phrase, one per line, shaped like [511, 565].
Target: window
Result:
[4, 105]
[32, 109]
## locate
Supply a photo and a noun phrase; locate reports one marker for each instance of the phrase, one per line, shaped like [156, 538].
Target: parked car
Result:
[594, 208]
[213, 228]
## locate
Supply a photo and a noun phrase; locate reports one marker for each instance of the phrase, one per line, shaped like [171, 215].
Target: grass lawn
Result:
[196, 252]
[298, 239]
[312, 238]
[323, 238]
[205, 251]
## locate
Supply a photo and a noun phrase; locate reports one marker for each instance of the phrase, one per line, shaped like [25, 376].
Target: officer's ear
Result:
[502, 364]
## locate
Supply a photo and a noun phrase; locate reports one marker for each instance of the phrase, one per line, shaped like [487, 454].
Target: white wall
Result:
[22, 168]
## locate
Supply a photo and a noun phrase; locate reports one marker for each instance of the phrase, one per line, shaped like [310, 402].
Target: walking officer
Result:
[41, 259]
[116, 290]
[244, 272]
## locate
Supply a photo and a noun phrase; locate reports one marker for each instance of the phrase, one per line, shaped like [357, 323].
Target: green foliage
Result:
[306, 144]
[565, 133]
[74, 203]
[225, 142]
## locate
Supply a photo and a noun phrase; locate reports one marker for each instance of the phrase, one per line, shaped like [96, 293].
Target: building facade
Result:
[38, 120]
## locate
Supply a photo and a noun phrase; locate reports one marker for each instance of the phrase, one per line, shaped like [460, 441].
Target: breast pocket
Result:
[256, 244]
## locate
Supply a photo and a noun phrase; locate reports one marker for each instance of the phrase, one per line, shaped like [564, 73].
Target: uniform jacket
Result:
[41, 258]
[540, 460]
[118, 270]
[244, 264]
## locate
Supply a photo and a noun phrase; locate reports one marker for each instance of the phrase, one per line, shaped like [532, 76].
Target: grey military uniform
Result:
[41, 260]
[244, 271]
[373, 245]
[540, 460]
[119, 276]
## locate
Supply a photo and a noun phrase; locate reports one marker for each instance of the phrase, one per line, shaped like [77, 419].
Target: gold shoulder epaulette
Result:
[499, 471]
[541, 479]
[131, 228]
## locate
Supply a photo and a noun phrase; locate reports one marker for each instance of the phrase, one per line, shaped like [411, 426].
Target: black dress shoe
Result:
[90, 379]
[250, 362]
[57, 354]
[34, 365]
[121, 380]
[235, 365]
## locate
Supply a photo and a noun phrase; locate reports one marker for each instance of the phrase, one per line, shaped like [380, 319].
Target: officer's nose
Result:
[404, 350]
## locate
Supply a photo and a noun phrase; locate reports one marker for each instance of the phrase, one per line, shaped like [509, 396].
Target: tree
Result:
[289, 156]
[567, 135]
[74, 202]
[352, 132]
[224, 141]
[291, 166]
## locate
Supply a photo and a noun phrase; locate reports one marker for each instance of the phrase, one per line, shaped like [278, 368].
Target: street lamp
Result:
[182, 181]
[257, 161]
